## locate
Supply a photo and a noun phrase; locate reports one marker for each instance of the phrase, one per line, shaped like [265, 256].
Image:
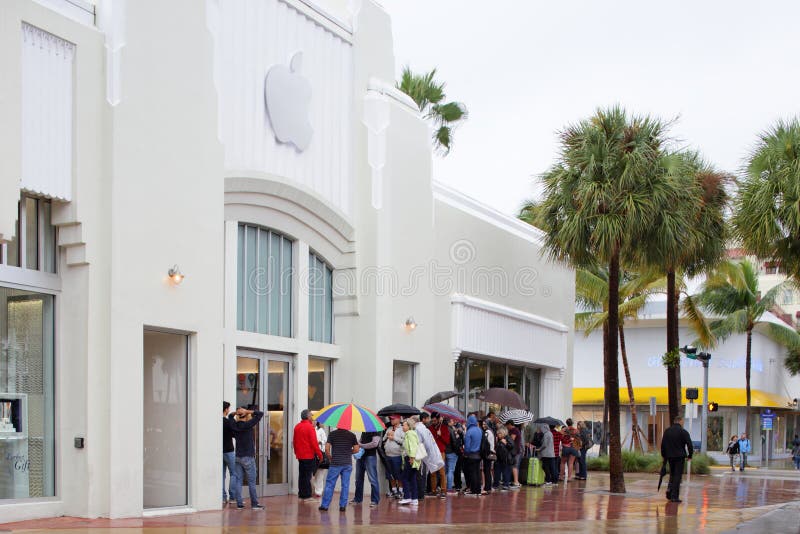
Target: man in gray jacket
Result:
[547, 454]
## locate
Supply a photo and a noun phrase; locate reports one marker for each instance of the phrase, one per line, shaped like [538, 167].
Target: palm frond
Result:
[697, 322]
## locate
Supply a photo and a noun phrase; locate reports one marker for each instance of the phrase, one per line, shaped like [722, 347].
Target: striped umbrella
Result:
[516, 416]
[445, 410]
[350, 417]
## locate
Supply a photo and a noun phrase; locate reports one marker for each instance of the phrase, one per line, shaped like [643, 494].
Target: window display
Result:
[26, 395]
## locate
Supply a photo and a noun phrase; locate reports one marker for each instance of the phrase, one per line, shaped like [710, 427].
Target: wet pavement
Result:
[718, 502]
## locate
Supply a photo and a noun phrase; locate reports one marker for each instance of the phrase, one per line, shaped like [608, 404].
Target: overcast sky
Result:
[726, 69]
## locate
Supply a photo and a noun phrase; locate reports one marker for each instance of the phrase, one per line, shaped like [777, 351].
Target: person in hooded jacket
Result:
[472, 455]
[548, 456]
[433, 462]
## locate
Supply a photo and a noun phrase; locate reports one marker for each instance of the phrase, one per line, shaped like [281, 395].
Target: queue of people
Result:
[422, 456]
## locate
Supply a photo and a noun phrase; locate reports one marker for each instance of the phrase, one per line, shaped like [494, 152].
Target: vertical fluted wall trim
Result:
[47, 104]
[485, 328]
[250, 37]
[376, 119]
[111, 21]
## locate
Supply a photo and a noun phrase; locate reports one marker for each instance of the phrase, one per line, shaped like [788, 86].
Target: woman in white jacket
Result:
[322, 473]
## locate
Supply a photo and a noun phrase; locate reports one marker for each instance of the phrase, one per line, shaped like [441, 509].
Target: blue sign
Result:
[766, 420]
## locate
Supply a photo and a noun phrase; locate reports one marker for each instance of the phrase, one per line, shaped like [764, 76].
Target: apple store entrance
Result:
[262, 383]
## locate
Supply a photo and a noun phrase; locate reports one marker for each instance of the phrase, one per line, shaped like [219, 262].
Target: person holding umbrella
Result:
[340, 448]
[342, 445]
[675, 445]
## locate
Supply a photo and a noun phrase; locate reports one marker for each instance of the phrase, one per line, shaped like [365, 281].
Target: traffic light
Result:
[713, 406]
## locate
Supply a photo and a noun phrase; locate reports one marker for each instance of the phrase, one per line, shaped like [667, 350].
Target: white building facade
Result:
[228, 200]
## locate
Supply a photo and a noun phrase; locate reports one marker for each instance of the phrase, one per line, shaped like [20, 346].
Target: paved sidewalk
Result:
[722, 501]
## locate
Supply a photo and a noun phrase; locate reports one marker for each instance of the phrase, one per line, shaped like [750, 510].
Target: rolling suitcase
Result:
[523, 471]
[535, 472]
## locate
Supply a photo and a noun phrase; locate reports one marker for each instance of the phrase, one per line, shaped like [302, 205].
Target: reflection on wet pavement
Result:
[710, 504]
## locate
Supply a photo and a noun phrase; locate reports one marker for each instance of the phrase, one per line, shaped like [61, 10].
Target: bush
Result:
[636, 462]
[701, 464]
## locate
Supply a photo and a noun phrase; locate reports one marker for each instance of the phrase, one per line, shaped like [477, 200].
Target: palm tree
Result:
[600, 198]
[732, 294]
[702, 202]
[591, 293]
[429, 95]
[765, 214]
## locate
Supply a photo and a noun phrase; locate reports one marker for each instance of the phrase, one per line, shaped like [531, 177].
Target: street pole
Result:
[704, 417]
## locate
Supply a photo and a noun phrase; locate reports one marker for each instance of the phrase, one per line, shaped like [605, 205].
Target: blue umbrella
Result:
[445, 410]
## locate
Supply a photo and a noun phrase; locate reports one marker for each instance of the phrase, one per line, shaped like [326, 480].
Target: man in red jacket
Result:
[307, 451]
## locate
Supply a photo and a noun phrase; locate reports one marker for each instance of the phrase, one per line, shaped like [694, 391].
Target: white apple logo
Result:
[287, 94]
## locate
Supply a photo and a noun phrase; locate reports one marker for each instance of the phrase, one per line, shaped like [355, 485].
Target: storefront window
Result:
[319, 383]
[264, 282]
[403, 383]
[482, 374]
[26, 395]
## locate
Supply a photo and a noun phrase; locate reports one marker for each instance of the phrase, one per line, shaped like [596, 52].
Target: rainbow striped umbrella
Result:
[350, 417]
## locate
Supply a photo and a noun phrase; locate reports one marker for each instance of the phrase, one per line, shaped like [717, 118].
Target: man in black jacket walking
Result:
[674, 446]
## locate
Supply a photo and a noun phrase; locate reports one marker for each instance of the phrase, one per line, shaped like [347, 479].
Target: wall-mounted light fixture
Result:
[410, 324]
[175, 275]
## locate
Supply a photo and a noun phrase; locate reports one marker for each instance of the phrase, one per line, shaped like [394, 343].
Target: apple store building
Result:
[229, 200]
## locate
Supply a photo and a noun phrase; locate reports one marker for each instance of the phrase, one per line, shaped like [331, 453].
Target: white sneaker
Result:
[405, 501]
[414, 503]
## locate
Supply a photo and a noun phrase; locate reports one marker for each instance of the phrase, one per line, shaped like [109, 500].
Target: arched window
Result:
[264, 281]
[320, 300]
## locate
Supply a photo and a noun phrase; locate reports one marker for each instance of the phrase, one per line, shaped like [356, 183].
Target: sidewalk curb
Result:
[782, 519]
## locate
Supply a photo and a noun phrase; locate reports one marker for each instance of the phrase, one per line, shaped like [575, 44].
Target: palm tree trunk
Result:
[604, 437]
[673, 373]
[747, 380]
[611, 368]
[636, 443]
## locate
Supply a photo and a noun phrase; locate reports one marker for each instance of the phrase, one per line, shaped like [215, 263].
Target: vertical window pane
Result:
[319, 380]
[274, 284]
[165, 419]
[49, 236]
[26, 395]
[477, 383]
[327, 335]
[459, 383]
[240, 278]
[403, 383]
[264, 289]
[12, 250]
[286, 289]
[515, 379]
[31, 233]
[251, 279]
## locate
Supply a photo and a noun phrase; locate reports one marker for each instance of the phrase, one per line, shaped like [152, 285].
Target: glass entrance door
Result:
[262, 383]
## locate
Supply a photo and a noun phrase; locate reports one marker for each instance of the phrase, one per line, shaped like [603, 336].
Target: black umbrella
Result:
[441, 396]
[503, 397]
[661, 474]
[399, 409]
[550, 421]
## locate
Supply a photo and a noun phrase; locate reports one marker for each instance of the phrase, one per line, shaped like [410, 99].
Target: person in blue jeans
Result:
[228, 453]
[340, 448]
[451, 452]
[744, 449]
[243, 422]
[368, 464]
